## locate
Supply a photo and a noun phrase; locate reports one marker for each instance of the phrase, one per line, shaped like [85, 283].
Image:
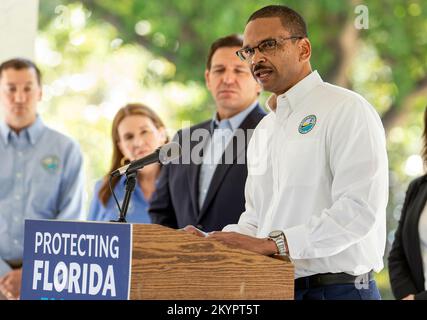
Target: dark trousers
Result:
[340, 292]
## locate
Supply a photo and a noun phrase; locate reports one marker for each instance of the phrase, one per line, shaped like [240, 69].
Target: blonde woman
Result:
[137, 131]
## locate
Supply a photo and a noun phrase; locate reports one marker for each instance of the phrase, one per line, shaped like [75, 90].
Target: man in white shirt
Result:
[317, 187]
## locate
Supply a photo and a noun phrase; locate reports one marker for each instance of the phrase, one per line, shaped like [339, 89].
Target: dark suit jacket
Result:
[405, 261]
[175, 201]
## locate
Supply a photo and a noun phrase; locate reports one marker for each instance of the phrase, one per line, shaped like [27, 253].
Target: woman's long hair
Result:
[128, 110]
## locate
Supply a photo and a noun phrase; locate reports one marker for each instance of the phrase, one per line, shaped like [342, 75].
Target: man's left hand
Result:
[236, 240]
[10, 284]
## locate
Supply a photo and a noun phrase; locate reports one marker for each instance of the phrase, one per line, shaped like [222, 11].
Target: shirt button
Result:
[19, 175]
[20, 153]
[15, 219]
[18, 197]
[15, 242]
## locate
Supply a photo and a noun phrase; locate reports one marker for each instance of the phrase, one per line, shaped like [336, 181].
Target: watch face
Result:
[276, 233]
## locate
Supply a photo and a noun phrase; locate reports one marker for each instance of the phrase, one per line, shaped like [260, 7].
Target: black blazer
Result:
[405, 263]
[175, 202]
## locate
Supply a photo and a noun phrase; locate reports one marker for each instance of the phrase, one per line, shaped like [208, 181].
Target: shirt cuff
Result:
[231, 227]
[298, 241]
[239, 229]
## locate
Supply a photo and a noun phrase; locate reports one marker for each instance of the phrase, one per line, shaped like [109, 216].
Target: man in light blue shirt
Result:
[41, 172]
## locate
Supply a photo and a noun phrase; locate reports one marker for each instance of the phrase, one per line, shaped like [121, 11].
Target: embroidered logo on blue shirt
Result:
[51, 164]
[307, 124]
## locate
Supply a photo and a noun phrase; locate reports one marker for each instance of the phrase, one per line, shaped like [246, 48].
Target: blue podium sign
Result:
[76, 260]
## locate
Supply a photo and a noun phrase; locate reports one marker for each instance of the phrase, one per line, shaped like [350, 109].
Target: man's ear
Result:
[40, 93]
[207, 78]
[305, 49]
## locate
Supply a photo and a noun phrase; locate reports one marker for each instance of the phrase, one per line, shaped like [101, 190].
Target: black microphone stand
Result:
[130, 187]
[131, 171]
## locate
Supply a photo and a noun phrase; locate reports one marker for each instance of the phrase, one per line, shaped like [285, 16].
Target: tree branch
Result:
[346, 47]
[115, 21]
[396, 115]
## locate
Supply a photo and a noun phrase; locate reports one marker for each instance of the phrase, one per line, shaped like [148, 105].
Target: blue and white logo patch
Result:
[307, 124]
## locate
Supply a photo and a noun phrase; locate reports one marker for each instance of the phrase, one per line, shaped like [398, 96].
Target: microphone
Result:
[163, 154]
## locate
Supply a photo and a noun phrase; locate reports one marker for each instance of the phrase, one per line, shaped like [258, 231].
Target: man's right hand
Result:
[10, 284]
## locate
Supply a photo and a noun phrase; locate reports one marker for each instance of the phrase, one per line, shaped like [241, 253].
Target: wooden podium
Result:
[170, 264]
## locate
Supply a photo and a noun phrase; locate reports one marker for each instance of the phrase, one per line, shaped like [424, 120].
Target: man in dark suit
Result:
[206, 187]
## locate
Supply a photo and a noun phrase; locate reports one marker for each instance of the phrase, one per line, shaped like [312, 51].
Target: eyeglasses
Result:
[268, 45]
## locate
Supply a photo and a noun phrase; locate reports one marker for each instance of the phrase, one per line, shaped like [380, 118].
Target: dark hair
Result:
[291, 20]
[424, 149]
[232, 40]
[19, 64]
[130, 109]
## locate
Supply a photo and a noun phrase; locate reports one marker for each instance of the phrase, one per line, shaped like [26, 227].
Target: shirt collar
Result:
[33, 132]
[299, 91]
[235, 121]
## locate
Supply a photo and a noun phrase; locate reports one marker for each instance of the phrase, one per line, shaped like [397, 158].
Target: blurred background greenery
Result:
[97, 55]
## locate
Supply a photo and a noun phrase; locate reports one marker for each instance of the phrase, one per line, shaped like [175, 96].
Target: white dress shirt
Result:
[223, 131]
[325, 186]
[422, 231]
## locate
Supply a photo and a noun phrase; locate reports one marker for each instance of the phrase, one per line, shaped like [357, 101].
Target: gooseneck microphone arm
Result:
[134, 166]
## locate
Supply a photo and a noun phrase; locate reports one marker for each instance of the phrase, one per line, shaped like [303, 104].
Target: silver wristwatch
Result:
[279, 238]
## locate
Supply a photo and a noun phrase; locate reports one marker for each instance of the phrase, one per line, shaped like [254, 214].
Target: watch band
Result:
[279, 238]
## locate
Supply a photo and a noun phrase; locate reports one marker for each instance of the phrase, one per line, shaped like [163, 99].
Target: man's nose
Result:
[257, 57]
[19, 96]
[229, 77]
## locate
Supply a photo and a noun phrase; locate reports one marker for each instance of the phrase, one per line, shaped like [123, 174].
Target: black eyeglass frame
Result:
[242, 57]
